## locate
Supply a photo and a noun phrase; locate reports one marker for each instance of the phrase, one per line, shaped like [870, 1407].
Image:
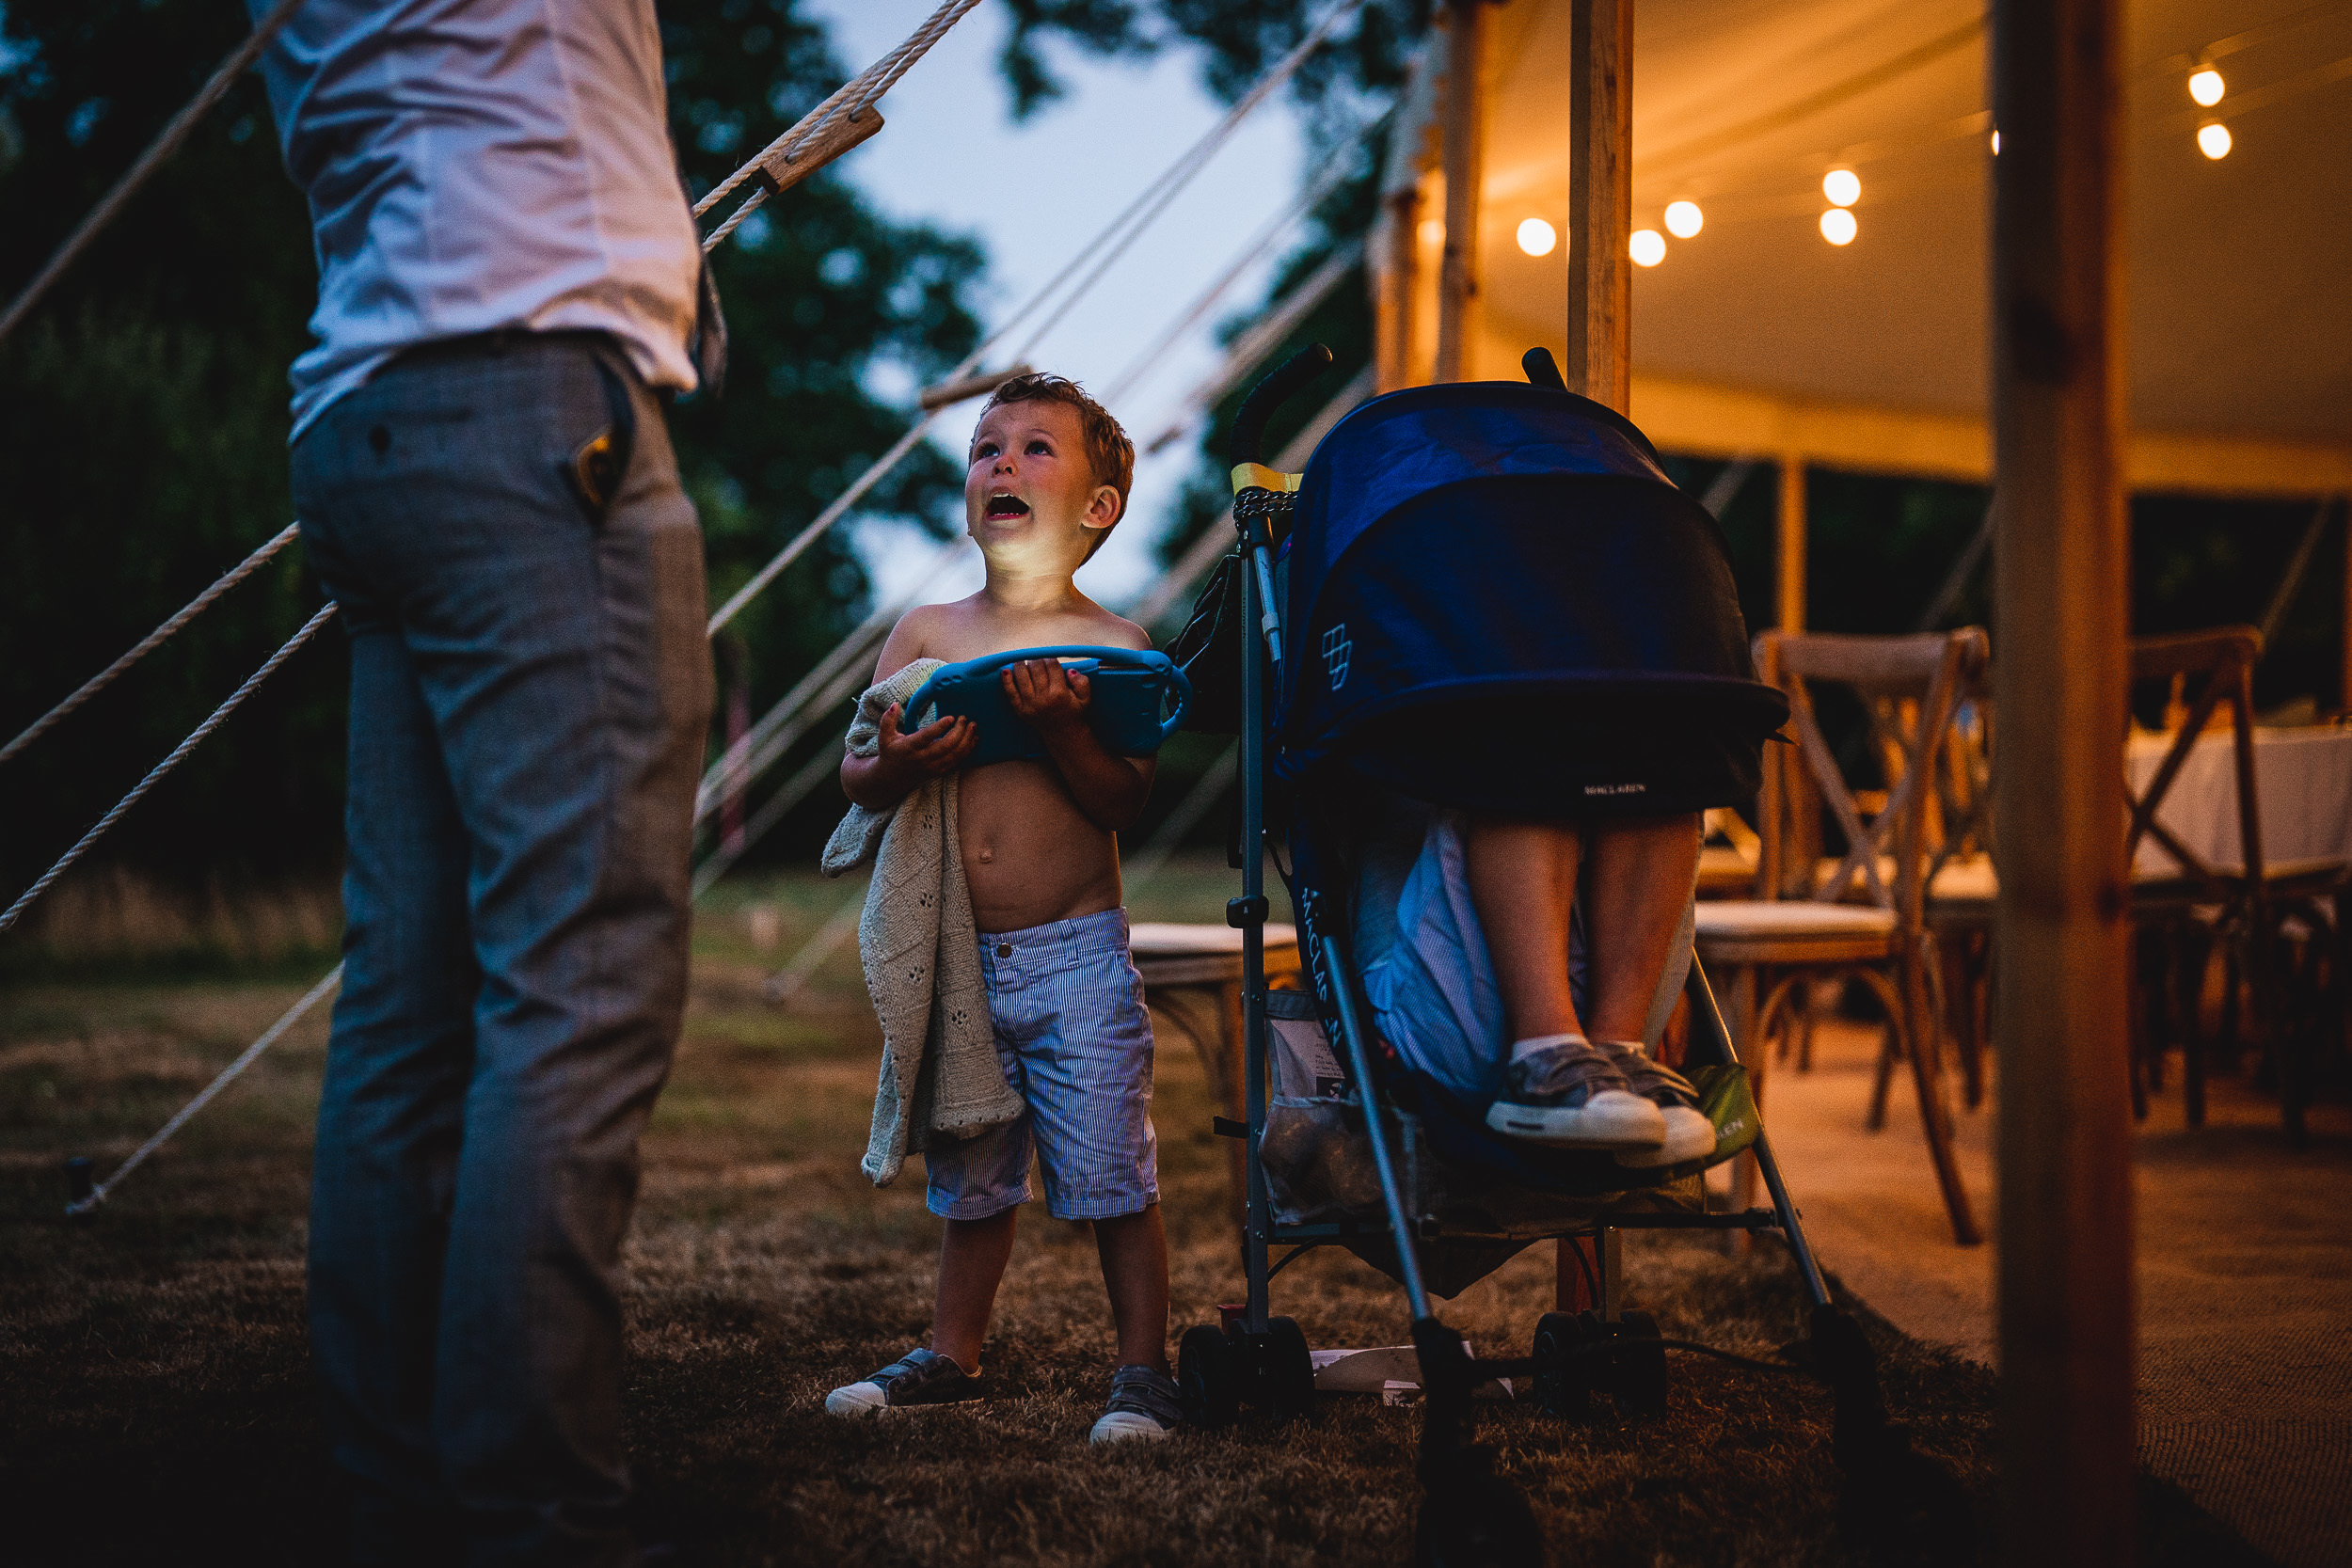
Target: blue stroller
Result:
[1357, 642]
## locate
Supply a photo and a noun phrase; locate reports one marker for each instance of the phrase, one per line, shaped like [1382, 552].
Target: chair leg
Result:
[2274, 1024]
[1920, 1031]
[1959, 978]
[2188, 986]
[2136, 1063]
[1883, 1071]
[1743, 1022]
[1805, 1017]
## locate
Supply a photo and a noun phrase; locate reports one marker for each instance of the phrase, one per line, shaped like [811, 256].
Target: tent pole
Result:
[1600, 315]
[1399, 287]
[2344, 691]
[1600, 201]
[2065, 1146]
[1788, 541]
[1465, 139]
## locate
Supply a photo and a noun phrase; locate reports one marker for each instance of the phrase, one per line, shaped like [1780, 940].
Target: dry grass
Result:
[154, 1370]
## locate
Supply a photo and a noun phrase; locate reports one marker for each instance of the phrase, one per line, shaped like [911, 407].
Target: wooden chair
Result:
[1853, 919]
[2239, 907]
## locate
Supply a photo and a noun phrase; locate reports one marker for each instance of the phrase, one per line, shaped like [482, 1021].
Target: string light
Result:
[2213, 140]
[1536, 237]
[1431, 231]
[1837, 226]
[1843, 187]
[1996, 144]
[1684, 219]
[2206, 87]
[1648, 246]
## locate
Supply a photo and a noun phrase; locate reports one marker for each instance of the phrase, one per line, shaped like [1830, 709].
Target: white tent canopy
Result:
[1758, 336]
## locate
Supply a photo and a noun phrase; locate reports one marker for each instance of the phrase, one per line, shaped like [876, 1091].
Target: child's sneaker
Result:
[1688, 1135]
[918, 1377]
[1570, 1093]
[1144, 1405]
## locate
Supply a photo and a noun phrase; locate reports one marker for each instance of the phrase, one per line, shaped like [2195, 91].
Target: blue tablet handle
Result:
[1083, 660]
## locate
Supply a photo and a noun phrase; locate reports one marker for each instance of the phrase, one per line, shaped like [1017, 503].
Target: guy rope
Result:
[843, 121]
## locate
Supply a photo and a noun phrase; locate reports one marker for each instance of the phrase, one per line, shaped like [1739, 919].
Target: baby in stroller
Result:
[1473, 956]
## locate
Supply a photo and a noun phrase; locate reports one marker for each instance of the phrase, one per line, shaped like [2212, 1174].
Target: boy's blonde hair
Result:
[1109, 454]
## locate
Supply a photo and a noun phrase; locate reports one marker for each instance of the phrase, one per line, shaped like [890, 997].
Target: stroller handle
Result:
[1280, 385]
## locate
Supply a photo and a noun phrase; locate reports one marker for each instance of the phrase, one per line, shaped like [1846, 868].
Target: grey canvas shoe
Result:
[1144, 1406]
[920, 1377]
[1688, 1135]
[1570, 1094]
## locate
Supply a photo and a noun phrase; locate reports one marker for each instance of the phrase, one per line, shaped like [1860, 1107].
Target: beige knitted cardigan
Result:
[920, 949]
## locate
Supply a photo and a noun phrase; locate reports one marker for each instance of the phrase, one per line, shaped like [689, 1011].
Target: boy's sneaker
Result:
[917, 1378]
[1144, 1405]
[1688, 1135]
[1570, 1093]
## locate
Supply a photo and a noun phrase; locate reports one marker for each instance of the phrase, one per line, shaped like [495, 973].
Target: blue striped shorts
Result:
[1075, 1039]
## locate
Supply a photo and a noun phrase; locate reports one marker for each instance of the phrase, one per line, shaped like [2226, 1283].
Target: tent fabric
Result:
[2238, 272]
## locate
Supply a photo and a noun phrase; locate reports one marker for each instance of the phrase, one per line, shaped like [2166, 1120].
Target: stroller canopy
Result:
[1497, 599]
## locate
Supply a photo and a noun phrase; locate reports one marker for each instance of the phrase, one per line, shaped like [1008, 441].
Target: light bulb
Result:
[1996, 144]
[1647, 248]
[1684, 219]
[1536, 237]
[1843, 187]
[1431, 231]
[2213, 140]
[2206, 87]
[1837, 226]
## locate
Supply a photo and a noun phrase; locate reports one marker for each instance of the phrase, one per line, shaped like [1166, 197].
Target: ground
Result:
[154, 1364]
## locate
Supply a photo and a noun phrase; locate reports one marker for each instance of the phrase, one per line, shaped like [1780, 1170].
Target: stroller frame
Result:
[1468, 1514]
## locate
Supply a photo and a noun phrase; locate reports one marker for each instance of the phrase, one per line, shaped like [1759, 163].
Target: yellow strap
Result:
[1258, 476]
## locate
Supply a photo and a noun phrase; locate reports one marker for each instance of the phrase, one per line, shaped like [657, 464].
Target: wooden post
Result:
[1400, 287]
[1790, 545]
[2344, 691]
[1600, 298]
[1465, 136]
[2066, 1311]
[1600, 201]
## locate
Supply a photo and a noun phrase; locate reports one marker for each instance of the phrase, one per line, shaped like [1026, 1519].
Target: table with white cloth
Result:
[2302, 788]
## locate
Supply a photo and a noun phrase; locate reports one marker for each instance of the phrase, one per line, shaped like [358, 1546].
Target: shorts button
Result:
[1004, 950]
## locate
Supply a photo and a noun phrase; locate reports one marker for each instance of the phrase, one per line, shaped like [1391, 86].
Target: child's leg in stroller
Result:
[1523, 880]
[1134, 1249]
[972, 1259]
[1635, 891]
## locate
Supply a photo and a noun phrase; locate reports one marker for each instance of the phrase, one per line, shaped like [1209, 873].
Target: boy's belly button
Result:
[987, 856]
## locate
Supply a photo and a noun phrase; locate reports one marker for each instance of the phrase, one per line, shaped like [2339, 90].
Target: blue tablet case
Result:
[1131, 688]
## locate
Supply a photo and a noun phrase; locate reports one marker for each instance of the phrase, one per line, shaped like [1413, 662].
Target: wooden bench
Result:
[1192, 977]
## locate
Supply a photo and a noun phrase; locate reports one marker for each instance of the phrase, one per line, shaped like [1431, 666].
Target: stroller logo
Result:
[1336, 648]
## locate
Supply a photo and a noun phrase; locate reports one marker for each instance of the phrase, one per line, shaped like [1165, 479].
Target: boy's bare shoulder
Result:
[918, 635]
[1114, 631]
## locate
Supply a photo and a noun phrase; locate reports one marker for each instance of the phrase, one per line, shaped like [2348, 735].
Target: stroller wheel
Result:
[1639, 1366]
[1565, 1389]
[1290, 1371]
[1208, 1378]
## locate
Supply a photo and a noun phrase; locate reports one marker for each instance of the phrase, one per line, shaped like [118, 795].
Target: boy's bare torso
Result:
[1031, 855]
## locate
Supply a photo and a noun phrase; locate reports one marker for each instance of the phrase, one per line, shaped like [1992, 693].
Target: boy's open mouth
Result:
[1007, 506]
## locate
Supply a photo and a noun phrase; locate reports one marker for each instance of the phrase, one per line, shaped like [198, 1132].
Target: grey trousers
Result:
[531, 689]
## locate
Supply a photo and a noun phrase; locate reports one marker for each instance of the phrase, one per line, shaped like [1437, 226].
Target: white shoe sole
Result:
[1122, 1426]
[1611, 1119]
[856, 1398]
[1689, 1136]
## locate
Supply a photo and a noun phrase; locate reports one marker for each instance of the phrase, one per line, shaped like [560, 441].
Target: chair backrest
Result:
[1908, 686]
[2219, 665]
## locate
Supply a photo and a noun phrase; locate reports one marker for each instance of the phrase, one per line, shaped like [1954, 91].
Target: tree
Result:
[145, 447]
